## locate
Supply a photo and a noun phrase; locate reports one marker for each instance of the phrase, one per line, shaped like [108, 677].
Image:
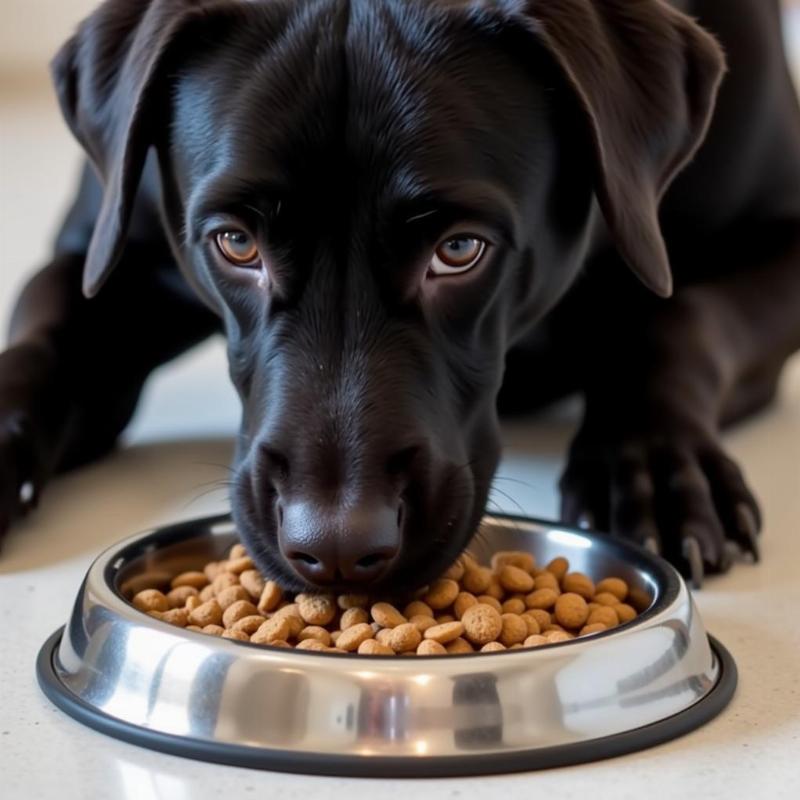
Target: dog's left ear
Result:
[646, 78]
[106, 79]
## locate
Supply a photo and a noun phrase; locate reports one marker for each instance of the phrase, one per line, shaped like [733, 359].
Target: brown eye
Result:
[457, 254]
[239, 248]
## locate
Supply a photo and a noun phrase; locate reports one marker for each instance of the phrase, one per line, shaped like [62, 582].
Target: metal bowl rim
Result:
[661, 572]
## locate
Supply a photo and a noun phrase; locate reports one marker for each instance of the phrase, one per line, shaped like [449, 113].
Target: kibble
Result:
[472, 608]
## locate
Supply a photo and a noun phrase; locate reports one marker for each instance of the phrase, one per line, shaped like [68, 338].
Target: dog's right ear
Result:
[107, 78]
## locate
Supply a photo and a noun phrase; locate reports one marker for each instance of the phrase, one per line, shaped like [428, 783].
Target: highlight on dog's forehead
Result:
[366, 73]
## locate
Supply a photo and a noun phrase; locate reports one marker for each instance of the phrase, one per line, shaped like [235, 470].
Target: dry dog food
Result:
[511, 604]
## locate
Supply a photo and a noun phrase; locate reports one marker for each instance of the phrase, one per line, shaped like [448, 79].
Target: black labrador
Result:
[407, 217]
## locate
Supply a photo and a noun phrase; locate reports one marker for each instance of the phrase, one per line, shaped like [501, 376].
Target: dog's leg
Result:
[72, 374]
[647, 461]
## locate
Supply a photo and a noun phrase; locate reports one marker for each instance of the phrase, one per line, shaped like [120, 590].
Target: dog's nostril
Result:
[370, 561]
[280, 514]
[305, 558]
[400, 462]
[401, 513]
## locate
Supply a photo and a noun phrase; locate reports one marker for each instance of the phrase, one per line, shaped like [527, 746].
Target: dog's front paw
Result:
[18, 478]
[680, 495]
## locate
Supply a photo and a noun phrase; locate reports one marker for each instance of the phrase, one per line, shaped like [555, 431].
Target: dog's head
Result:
[378, 197]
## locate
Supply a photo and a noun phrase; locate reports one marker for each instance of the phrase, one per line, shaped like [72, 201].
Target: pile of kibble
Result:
[512, 603]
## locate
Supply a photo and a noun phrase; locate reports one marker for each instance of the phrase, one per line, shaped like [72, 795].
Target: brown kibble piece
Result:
[605, 599]
[404, 637]
[571, 610]
[459, 646]
[207, 593]
[578, 583]
[417, 608]
[239, 565]
[625, 613]
[488, 600]
[462, 602]
[455, 572]
[386, 615]
[353, 616]
[514, 629]
[482, 624]
[546, 580]
[311, 644]
[476, 580]
[536, 640]
[441, 594]
[177, 597]
[514, 605]
[223, 581]
[271, 596]
[514, 579]
[422, 622]
[209, 613]
[213, 630]
[492, 647]
[604, 614]
[197, 580]
[541, 598]
[253, 583]
[557, 636]
[316, 632]
[176, 616]
[372, 647]
[445, 632]
[272, 630]
[517, 558]
[248, 625]
[347, 601]
[211, 570]
[615, 586]
[595, 627]
[193, 602]
[231, 633]
[532, 623]
[236, 611]
[540, 615]
[237, 551]
[429, 647]
[558, 567]
[151, 600]
[233, 594]
[316, 609]
[351, 638]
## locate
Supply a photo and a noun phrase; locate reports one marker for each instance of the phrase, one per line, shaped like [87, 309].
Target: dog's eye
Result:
[239, 248]
[457, 254]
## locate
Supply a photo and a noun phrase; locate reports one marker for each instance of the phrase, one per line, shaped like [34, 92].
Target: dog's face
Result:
[375, 233]
[377, 198]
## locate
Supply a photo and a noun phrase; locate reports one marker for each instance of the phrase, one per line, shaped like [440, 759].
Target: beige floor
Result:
[180, 441]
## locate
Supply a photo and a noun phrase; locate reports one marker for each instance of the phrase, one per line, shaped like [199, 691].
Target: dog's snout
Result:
[325, 547]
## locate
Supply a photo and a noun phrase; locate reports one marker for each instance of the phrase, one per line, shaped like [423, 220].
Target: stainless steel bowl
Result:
[139, 679]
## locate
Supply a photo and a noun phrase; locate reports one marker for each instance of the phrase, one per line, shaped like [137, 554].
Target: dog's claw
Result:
[694, 557]
[585, 520]
[27, 493]
[748, 527]
[651, 544]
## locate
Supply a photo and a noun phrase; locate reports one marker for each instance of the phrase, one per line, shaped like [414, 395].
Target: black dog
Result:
[405, 214]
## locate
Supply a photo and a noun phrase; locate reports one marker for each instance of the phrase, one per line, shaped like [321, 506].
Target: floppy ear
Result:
[646, 78]
[106, 79]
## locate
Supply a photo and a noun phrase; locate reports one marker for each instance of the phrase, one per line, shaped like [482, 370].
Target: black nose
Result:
[354, 546]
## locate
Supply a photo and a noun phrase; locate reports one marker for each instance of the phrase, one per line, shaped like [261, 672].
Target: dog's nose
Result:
[324, 547]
